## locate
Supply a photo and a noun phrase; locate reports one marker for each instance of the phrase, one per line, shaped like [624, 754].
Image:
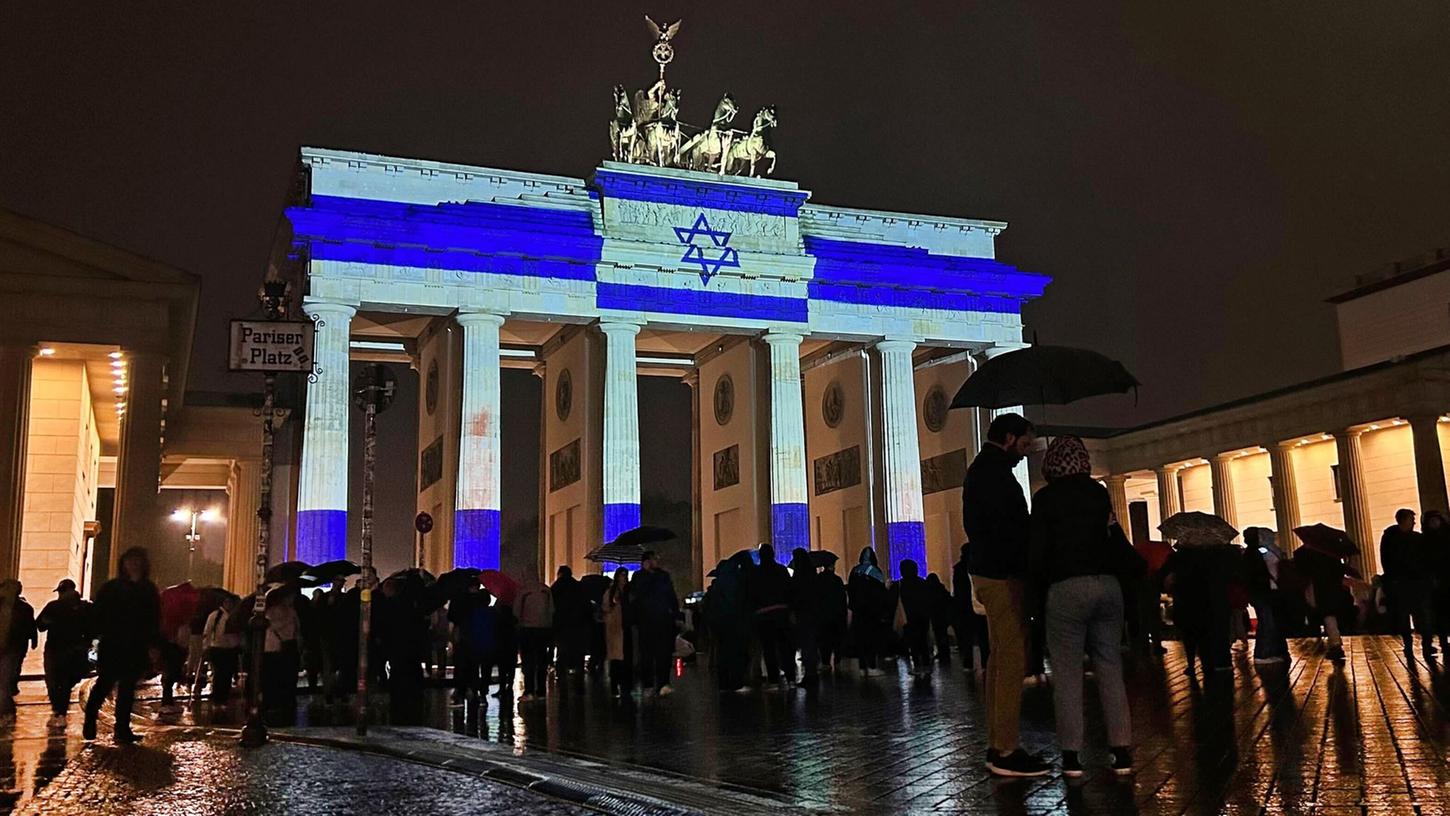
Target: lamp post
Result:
[372, 391]
[282, 355]
[193, 538]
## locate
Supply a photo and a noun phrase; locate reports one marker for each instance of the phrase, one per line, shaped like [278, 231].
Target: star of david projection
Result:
[695, 252]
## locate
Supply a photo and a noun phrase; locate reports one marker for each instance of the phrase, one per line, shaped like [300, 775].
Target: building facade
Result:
[822, 344]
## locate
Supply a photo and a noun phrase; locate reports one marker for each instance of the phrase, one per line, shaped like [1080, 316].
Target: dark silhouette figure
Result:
[870, 608]
[652, 595]
[128, 618]
[770, 596]
[67, 624]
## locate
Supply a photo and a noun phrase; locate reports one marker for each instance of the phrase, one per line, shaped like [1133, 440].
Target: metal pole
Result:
[369, 576]
[254, 733]
[191, 546]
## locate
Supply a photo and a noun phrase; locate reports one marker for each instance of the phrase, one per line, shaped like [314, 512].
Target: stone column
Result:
[697, 539]
[789, 512]
[1170, 500]
[476, 536]
[1021, 471]
[901, 456]
[1118, 495]
[1355, 500]
[1221, 466]
[138, 465]
[322, 481]
[1286, 493]
[244, 493]
[1429, 465]
[15, 371]
[621, 429]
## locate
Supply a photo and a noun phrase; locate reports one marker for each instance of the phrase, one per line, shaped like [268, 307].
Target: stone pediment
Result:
[35, 248]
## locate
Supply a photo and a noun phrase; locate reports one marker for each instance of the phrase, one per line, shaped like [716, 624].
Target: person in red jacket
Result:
[178, 607]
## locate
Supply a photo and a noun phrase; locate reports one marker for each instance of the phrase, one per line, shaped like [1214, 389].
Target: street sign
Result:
[271, 345]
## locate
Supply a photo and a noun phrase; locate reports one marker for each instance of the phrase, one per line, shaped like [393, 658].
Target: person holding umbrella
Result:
[1198, 574]
[617, 642]
[1261, 578]
[1321, 563]
[655, 605]
[994, 514]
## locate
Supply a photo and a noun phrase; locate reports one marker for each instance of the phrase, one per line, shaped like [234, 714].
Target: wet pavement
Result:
[1366, 736]
[46, 769]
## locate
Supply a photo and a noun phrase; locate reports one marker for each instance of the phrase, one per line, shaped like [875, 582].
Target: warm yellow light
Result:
[180, 515]
[47, 351]
[210, 515]
[115, 355]
[120, 389]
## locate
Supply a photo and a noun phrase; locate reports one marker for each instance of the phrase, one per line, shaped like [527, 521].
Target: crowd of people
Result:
[1060, 581]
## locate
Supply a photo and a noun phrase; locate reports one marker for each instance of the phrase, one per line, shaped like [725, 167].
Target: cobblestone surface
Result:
[1311, 737]
[46, 769]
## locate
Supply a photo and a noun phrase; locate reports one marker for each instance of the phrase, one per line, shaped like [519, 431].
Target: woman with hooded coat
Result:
[868, 604]
[128, 616]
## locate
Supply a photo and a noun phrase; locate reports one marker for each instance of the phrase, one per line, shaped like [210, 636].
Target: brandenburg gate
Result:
[823, 342]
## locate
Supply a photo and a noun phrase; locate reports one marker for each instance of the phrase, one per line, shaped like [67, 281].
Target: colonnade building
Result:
[1347, 450]
[822, 343]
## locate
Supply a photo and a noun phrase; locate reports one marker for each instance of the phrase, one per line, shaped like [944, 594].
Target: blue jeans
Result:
[1085, 616]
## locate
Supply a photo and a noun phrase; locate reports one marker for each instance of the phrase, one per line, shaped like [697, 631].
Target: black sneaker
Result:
[1122, 761]
[1019, 763]
[1071, 766]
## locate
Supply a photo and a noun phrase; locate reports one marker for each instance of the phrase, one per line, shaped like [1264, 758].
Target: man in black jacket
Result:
[67, 624]
[994, 513]
[1408, 581]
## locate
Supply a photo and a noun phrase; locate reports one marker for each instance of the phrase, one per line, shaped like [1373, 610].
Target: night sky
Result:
[1196, 181]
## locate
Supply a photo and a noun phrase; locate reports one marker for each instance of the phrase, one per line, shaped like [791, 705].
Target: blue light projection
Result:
[321, 535]
[789, 528]
[695, 253]
[905, 539]
[476, 539]
[475, 236]
[911, 277]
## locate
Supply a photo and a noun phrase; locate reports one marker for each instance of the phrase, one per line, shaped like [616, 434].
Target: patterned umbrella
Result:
[1196, 529]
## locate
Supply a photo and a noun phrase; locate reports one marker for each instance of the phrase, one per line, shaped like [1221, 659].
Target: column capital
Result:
[1353, 432]
[1116, 479]
[1280, 444]
[1169, 470]
[613, 326]
[479, 318]
[782, 337]
[691, 378]
[1223, 458]
[319, 309]
[905, 344]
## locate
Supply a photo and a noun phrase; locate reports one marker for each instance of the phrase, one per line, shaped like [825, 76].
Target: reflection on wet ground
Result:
[1365, 736]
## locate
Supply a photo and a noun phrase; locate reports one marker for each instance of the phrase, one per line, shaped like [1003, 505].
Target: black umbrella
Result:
[1043, 375]
[331, 571]
[288, 571]
[594, 586]
[455, 582]
[823, 558]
